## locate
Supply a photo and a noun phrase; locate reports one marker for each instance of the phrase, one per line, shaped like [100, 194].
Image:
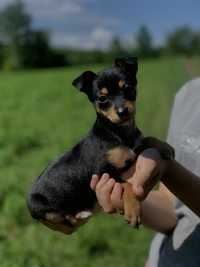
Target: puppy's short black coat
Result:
[64, 186]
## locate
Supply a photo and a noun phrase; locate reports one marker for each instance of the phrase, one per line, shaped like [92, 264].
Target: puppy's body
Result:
[64, 186]
[69, 176]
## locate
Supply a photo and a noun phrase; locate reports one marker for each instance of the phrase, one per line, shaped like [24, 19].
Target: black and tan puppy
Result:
[64, 186]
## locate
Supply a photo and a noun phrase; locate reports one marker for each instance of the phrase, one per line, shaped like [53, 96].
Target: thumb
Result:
[137, 186]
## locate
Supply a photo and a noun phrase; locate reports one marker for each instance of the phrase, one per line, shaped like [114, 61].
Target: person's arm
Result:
[157, 210]
[151, 167]
[184, 184]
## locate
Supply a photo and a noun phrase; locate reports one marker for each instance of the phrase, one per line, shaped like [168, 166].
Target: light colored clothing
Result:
[181, 248]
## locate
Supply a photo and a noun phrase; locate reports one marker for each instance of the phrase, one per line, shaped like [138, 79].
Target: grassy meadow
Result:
[42, 115]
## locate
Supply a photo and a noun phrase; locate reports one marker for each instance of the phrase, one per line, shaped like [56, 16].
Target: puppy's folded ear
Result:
[127, 65]
[85, 83]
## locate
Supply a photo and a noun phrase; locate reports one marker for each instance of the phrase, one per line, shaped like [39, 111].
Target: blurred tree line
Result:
[21, 46]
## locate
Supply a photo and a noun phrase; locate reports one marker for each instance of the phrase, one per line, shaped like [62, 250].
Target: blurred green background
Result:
[42, 115]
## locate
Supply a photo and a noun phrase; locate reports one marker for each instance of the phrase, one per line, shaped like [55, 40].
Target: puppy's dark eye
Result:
[103, 99]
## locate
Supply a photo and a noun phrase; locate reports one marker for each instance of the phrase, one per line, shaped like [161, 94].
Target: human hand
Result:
[148, 170]
[151, 165]
[109, 193]
[143, 176]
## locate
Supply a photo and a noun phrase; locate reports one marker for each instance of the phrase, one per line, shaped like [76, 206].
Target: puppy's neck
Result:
[124, 133]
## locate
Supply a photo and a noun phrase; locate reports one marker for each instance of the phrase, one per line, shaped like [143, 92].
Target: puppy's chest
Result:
[113, 157]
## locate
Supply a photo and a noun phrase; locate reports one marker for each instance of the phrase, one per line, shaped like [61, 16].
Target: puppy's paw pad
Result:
[84, 215]
[54, 217]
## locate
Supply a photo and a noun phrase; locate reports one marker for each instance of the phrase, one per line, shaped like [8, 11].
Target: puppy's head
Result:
[113, 91]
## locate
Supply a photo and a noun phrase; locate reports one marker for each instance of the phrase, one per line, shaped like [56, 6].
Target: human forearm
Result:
[157, 212]
[184, 184]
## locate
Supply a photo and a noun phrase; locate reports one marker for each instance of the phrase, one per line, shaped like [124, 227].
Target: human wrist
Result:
[167, 166]
[166, 151]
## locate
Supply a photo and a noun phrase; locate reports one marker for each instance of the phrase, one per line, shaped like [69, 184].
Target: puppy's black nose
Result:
[123, 112]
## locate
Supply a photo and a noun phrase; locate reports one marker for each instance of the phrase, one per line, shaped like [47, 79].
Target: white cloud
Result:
[101, 37]
[97, 38]
[3, 3]
[100, 20]
[128, 41]
[50, 8]
[70, 23]
[53, 9]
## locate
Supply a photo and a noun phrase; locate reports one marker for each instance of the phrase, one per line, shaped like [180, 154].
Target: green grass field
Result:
[42, 115]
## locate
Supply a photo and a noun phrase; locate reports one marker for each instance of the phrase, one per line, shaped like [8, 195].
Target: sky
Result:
[91, 24]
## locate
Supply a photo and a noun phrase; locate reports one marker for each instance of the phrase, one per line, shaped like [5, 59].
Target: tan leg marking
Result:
[131, 206]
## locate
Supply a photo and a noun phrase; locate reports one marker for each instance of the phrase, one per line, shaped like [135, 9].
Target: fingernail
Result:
[111, 181]
[118, 185]
[105, 176]
[94, 176]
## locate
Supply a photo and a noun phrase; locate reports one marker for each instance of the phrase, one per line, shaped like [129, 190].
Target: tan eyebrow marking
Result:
[104, 91]
[131, 105]
[121, 84]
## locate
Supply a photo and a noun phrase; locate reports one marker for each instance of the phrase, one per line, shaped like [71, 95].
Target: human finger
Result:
[94, 181]
[116, 196]
[144, 182]
[103, 179]
[103, 195]
[107, 187]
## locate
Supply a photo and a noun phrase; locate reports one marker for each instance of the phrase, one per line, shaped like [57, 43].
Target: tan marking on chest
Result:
[119, 155]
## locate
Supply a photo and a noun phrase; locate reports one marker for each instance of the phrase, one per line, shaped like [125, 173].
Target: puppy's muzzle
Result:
[123, 112]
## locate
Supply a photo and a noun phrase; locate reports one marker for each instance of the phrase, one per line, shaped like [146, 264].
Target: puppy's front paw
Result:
[133, 219]
[131, 206]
